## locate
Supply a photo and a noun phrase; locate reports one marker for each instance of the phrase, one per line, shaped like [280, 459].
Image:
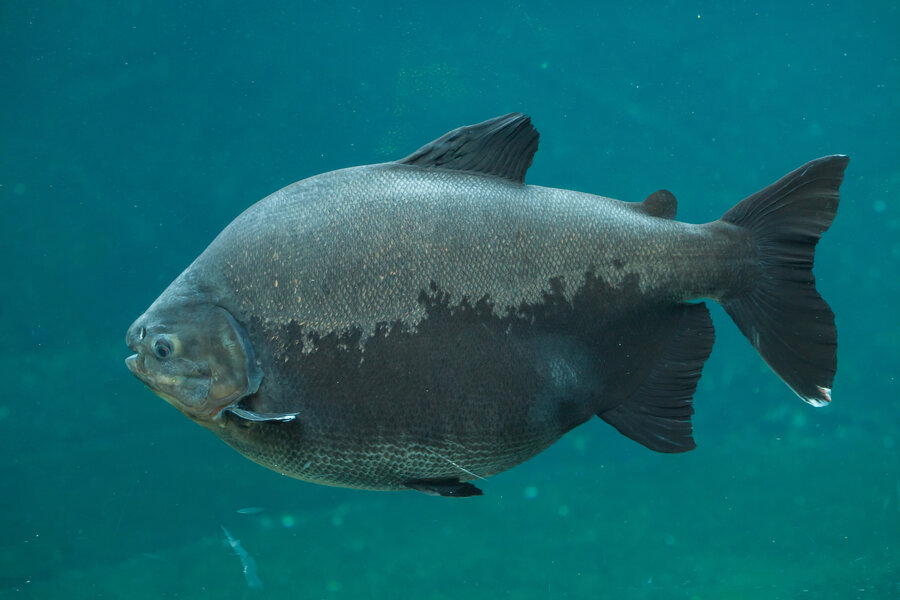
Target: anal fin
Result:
[658, 414]
[451, 487]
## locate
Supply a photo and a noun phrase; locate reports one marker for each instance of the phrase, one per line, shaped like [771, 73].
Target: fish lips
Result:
[134, 365]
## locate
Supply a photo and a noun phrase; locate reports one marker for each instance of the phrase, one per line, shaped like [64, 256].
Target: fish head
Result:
[195, 356]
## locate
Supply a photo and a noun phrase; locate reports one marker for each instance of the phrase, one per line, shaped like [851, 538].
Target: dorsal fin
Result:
[660, 204]
[502, 146]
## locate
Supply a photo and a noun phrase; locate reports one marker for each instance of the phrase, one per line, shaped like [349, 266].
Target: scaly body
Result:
[425, 323]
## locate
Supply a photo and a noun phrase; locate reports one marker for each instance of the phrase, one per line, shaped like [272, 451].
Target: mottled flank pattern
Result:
[356, 247]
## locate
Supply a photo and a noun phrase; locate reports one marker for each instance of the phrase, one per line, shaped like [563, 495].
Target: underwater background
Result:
[133, 132]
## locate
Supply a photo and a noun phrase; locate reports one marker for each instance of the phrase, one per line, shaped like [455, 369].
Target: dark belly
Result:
[465, 394]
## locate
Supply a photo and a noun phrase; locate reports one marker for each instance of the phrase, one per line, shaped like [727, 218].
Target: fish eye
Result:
[162, 347]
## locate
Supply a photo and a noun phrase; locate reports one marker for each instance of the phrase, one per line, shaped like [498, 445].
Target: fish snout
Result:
[134, 339]
[135, 336]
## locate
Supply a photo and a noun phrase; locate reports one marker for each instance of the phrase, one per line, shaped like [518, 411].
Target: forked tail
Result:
[783, 316]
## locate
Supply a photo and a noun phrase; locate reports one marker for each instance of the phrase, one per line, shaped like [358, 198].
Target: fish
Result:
[425, 323]
[248, 563]
[250, 510]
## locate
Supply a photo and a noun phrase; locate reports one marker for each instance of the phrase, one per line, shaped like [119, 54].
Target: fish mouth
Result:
[134, 365]
[163, 385]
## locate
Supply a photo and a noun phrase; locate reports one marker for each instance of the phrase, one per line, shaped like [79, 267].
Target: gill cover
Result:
[198, 359]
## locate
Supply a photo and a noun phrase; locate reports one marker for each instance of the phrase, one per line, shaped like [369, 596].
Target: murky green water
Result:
[133, 132]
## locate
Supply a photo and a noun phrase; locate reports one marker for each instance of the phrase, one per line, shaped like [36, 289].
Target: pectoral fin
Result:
[249, 415]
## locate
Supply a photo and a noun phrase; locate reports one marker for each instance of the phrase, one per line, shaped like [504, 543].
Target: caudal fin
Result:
[783, 316]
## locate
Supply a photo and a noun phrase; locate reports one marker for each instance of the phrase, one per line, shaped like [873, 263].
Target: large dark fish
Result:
[423, 323]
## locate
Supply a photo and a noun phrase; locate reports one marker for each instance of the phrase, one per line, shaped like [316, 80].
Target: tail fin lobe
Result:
[783, 315]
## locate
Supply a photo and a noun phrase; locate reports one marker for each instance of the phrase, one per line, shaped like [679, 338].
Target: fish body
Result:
[428, 322]
[248, 563]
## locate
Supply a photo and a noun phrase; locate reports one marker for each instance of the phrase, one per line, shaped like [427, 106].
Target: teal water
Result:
[133, 132]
